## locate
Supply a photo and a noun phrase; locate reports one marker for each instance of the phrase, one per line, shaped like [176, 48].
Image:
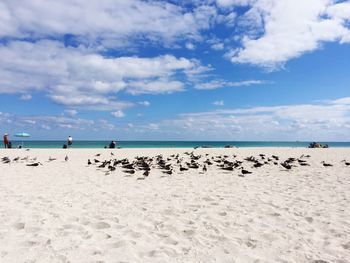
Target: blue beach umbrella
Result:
[22, 135]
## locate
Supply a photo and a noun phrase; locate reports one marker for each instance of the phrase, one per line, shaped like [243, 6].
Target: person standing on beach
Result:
[69, 141]
[6, 140]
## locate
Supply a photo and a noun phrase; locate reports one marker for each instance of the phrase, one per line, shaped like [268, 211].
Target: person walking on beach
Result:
[69, 141]
[6, 140]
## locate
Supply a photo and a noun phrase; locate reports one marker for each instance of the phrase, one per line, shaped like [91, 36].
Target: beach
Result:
[69, 211]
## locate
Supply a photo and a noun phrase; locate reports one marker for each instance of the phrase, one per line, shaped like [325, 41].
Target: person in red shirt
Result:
[6, 140]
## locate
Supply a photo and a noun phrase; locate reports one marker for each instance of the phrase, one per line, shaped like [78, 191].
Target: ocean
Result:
[170, 144]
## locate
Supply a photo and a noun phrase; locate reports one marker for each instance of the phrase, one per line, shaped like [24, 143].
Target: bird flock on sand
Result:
[143, 165]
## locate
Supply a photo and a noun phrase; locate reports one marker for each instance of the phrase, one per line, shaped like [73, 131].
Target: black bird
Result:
[103, 165]
[286, 165]
[96, 161]
[34, 164]
[89, 162]
[168, 172]
[128, 166]
[111, 168]
[304, 164]
[193, 166]
[16, 159]
[326, 164]
[257, 165]
[146, 173]
[204, 168]
[5, 159]
[345, 162]
[98, 154]
[129, 171]
[183, 168]
[228, 168]
[245, 171]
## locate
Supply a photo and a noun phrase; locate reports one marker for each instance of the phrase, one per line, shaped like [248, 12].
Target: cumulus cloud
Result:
[77, 77]
[105, 22]
[280, 30]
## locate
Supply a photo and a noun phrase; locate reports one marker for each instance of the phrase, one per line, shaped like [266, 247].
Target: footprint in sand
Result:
[102, 225]
[309, 219]
[118, 244]
[19, 226]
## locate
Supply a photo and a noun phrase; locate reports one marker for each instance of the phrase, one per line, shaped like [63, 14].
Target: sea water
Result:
[171, 144]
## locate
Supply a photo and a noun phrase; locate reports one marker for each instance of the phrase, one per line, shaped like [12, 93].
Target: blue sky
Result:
[176, 70]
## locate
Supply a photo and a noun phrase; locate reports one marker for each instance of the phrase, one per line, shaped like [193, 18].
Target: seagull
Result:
[52, 159]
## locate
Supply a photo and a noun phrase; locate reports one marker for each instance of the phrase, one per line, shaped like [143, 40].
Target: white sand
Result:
[69, 212]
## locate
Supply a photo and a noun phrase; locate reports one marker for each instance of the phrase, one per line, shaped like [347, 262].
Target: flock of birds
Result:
[188, 161]
[32, 161]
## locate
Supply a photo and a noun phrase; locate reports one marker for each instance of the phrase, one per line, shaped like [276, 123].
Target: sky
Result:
[175, 70]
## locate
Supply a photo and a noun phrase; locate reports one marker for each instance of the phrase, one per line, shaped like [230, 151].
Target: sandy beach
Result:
[69, 211]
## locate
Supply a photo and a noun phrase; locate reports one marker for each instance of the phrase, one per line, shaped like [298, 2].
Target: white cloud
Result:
[218, 46]
[190, 46]
[219, 103]
[118, 114]
[76, 77]
[216, 84]
[25, 97]
[323, 121]
[155, 87]
[320, 121]
[280, 30]
[230, 3]
[111, 23]
[45, 127]
[71, 112]
[145, 103]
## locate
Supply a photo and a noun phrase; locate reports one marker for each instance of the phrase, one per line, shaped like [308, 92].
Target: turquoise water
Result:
[171, 144]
